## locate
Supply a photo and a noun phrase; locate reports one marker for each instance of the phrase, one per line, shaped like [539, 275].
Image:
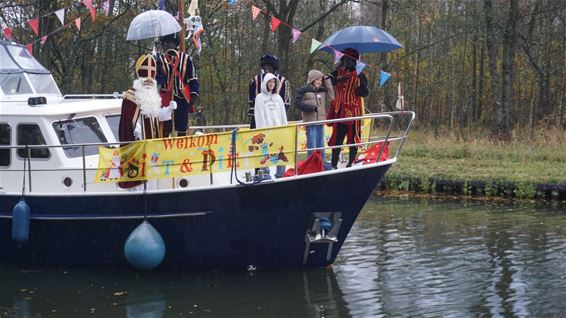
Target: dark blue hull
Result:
[262, 225]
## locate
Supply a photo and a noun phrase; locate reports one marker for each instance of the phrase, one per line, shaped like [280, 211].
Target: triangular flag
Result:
[43, 39]
[296, 34]
[255, 12]
[87, 3]
[92, 13]
[7, 33]
[161, 5]
[274, 23]
[61, 15]
[34, 24]
[29, 47]
[314, 45]
[78, 23]
[360, 67]
[106, 7]
[233, 2]
[383, 77]
[337, 56]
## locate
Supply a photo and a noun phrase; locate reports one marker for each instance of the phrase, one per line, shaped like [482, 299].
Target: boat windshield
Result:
[113, 121]
[6, 62]
[25, 60]
[14, 84]
[79, 131]
[21, 73]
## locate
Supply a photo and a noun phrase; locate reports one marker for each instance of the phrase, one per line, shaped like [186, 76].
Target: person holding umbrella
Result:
[177, 76]
[349, 89]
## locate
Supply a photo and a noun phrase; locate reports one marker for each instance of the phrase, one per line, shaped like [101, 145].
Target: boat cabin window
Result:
[13, 84]
[114, 123]
[79, 131]
[30, 134]
[5, 135]
[44, 84]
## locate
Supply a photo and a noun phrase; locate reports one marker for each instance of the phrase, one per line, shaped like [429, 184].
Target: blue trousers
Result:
[315, 138]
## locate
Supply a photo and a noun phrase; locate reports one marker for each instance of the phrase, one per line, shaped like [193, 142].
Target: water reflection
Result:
[78, 293]
[403, 258]
[414, 257]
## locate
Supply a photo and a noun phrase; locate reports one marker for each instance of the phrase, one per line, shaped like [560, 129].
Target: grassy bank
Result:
[528, 162]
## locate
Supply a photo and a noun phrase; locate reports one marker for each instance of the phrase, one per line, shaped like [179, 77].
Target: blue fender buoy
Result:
[20, 222]
[144, 248]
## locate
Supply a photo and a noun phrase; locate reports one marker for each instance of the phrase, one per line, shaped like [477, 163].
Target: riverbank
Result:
[533, 166]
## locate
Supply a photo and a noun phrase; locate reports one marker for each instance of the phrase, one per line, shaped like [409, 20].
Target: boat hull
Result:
[264, 225]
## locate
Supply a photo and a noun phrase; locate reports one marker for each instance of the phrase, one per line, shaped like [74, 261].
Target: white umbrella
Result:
[152, 24]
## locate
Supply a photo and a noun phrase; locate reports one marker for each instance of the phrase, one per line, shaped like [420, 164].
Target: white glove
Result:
[164, 113]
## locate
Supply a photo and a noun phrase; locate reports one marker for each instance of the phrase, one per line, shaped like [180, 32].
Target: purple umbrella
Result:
[364, 39]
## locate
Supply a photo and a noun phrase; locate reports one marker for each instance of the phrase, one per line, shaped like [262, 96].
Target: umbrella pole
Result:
[181, 9]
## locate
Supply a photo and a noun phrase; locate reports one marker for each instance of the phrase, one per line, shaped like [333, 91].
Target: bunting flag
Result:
[255, 12]
[78, 23]
[314, 45]
[61, 15]
[360, 67]
[233, 2]
[7, 33]
[274, 23]
[43, 39]
[106, 6]
[296, 34]
[87, 3]
[337, 56]
[92, 13]
[383, 77]
[29, 47]
[34, 24]
[161, 5]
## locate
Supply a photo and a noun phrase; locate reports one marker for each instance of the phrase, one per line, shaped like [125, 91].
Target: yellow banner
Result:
[197, 154]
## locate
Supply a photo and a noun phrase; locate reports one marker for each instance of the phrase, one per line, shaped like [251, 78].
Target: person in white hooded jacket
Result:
[269, 106]
[270, 109]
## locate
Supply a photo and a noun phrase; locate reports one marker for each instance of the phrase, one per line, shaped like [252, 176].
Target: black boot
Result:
[352, 156]
[335, 157]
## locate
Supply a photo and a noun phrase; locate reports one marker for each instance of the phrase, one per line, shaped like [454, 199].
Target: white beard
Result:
[147, 97]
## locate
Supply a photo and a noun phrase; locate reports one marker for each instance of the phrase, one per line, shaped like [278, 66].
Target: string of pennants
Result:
[255, 11]
[315, 44]
[60, 14]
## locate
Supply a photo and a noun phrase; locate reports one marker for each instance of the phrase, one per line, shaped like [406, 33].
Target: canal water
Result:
[403, 258]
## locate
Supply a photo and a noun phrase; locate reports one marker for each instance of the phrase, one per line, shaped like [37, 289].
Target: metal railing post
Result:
[296, 146]
[28, 151]
[84, 167]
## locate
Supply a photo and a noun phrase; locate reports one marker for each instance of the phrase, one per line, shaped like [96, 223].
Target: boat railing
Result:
[114, 95]
[393, 131]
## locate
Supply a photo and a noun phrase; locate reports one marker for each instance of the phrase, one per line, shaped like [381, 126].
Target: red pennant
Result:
[30, 48]
[87, 3]
[274, 23]
[92, 13]
[34, 24]
[43, 39]
[255, 12]
[7, 33]
[78, 23]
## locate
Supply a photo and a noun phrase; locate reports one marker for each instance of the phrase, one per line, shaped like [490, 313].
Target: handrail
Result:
[388, 116]
[114, 95]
